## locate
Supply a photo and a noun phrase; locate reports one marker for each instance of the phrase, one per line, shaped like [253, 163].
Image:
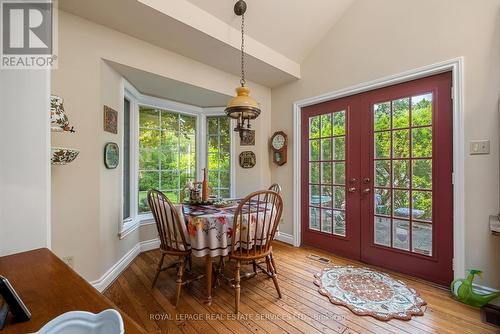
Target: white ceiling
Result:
[154, 85]
[291, 27]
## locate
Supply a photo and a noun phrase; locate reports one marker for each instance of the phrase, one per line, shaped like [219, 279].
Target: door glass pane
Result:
[382, 173]
[326, 125]
[314, 127]
[401, 235]
[314, 195]
[339, 223]
[401, 144]
[421, 107]
[422, 205]
[326, 172]
[314, 218]
[339, 123]
[402, 172]
[314, 150]
[382, 202]
[326, 221]
[422, 142]
[422, 174]
[382, 116]
[401, 203]
[382, 231]
[326, 149]
[339, 197]
[339, 172]
[422, 238]
[339, 148]
[401, 113]
[383, 144]
[326, 197]
[314, 172]
[327, 169]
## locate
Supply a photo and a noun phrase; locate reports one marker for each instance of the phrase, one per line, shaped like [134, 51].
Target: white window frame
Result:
[138, 100]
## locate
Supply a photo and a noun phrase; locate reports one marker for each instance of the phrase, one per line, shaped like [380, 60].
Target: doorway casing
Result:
[456, 67]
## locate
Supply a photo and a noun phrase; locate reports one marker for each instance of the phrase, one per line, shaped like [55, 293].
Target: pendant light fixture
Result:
[243, 107]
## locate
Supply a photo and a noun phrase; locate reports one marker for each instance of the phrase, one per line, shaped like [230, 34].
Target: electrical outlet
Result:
[479, 147]
[69, 260]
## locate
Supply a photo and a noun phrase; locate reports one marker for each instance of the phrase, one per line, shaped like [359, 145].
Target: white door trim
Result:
[456, 66]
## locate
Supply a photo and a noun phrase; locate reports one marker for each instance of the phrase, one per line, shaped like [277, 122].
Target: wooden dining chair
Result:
[276, 188]
[254, 227]
[173, 237]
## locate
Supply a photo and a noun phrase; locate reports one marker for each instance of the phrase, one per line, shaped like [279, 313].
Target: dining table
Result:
[210, 230]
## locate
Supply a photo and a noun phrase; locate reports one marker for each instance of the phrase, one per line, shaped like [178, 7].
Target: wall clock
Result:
[279, 145]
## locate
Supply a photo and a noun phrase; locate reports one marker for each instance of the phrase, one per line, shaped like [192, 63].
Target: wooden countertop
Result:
[49, 288]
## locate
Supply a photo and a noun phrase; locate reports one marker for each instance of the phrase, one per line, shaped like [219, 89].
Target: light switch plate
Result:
[479, 147]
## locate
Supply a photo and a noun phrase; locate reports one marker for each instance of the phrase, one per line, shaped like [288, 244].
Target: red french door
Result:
[377, 177]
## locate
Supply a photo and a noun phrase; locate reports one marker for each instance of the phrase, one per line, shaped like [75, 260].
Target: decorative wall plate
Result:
[247, 159]
[111, 155]
[110, 120]
[63, 156]
[58, 118]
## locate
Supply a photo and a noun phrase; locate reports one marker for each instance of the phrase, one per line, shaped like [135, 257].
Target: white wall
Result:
[86, 195]
[378, 38]
[25, 160]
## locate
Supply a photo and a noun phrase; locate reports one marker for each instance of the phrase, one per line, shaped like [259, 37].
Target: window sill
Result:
[130, 225]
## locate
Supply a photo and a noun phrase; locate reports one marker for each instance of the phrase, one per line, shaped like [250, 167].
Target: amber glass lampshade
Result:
[243, 106]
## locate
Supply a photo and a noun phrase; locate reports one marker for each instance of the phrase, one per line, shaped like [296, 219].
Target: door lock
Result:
[366, 180]
[352, 190]
[366, 191]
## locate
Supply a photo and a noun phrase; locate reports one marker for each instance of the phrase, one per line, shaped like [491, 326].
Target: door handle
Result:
[352, 190]
[366, 191]
[366, 180]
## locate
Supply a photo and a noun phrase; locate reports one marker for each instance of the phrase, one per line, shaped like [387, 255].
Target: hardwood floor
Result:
[301, 310]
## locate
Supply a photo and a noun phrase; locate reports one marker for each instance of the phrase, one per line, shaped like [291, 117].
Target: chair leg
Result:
[254, 264]
[158, 270]
[272, 262]
[273, 273]
[237, 288]
[180, 273]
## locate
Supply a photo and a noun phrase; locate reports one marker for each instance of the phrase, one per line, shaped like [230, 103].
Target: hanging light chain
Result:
[242, 80]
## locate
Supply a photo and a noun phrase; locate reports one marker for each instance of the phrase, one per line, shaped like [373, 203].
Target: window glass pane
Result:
[401, 203]
[326, 197]
[314, 172]
[339, 223]
[382, 202]
[422, 205]
[339, 197]
[326, 149]
[339, 173]
[339, 148]
[167, 155]
[219, 158]
[149, 118]
[326, 221]
[314, 195]
[126, 159]
[326, 172]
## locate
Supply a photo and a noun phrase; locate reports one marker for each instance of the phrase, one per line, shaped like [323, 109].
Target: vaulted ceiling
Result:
[291, 27]
[280, 33]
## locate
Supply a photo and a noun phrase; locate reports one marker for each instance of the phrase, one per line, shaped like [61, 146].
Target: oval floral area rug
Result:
[367, 292]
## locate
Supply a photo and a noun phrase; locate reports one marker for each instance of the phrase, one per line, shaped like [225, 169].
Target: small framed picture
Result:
[247, 137]
[110, 120]
[247, 159]
[111, 155]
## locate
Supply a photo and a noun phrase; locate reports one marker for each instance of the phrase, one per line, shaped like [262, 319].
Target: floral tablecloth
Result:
[210, 229]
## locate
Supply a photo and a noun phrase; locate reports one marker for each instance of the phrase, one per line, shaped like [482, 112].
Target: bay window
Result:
[165, 145]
